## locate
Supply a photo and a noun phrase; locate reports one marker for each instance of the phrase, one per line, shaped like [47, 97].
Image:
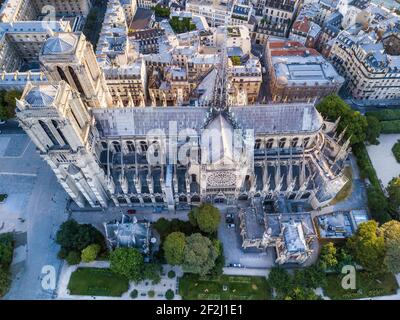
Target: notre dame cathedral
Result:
[104, 154]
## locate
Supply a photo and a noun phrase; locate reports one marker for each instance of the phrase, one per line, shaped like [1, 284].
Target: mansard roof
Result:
[265, 119]
[61, 43]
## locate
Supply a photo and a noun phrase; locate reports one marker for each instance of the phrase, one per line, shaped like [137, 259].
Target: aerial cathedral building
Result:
[103, 154]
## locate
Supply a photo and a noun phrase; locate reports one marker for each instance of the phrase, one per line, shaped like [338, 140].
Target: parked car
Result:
[229, 220]
[235, 265]
[131, 211]
[229, 215]
[231, 225]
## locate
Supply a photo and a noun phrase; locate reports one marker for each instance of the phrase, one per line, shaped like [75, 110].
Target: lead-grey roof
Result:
[41, 96]
[63, 42]
[268, 119]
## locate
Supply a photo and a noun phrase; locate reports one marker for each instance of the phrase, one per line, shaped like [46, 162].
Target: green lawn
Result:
[193, 287]
[97, 282]
[365, 286]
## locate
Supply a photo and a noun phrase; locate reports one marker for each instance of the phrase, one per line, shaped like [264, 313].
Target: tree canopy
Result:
[333, 107]
[327, 258]
[391, 233]
[206, 217]
[8, 103]
[73, 236]
[393, 190]
[174, 246]
[199, 254]
[281, 280]
[373, 129]
[152, 271]
[90, 253]
[127, 262]
[367, 246]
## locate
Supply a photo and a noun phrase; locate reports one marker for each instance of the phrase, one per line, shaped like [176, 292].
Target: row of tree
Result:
[376, 248]
[360, 129]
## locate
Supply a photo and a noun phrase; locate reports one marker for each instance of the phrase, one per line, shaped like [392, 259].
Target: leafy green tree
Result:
[161, 11]
[151, 293]
[171, 274]
[391, 234]
[220, 261]
[207, 217]
[6, 249]
[174, 246]
[5, 281]
[311, 277]
[127, 262]
[134, 294]
[378, 205]
[199, 254]
[73, 236]
[367, 247]
[73, 258]
[302, 293]
[327, 258]
[8, 103]
[373, 129]
[192, 215]
[236, 61]
[90, 253]
[393, 190]
[344, 258]
[333, 107]
[152, 271]
[281, 280]
[169, 295]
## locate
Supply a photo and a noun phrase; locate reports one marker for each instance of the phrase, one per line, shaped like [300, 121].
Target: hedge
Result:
[396, 150]
[392, 126]
[377, 202]
[385, 115]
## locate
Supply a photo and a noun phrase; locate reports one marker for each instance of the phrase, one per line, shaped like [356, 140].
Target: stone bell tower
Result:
[69, 57]
[58, 122]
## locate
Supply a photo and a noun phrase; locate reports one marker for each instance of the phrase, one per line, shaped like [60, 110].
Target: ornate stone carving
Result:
[221, 179]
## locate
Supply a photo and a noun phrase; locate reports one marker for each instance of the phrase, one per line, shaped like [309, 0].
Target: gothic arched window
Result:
[62, 75]
[131, 146]
[117, 146]
[50, 134]
[76, 80]
[270, 143]
[55, 124]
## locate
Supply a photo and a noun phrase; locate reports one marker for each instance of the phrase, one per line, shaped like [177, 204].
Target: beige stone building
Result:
[370, 72]
[298, 73]
[246, 79]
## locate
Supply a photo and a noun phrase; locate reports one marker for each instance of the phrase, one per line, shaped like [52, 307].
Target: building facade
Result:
[298, 73]
[102, 154]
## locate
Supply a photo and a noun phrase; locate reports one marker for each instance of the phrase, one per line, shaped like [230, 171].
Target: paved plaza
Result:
[382, 158]
[34, 209]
